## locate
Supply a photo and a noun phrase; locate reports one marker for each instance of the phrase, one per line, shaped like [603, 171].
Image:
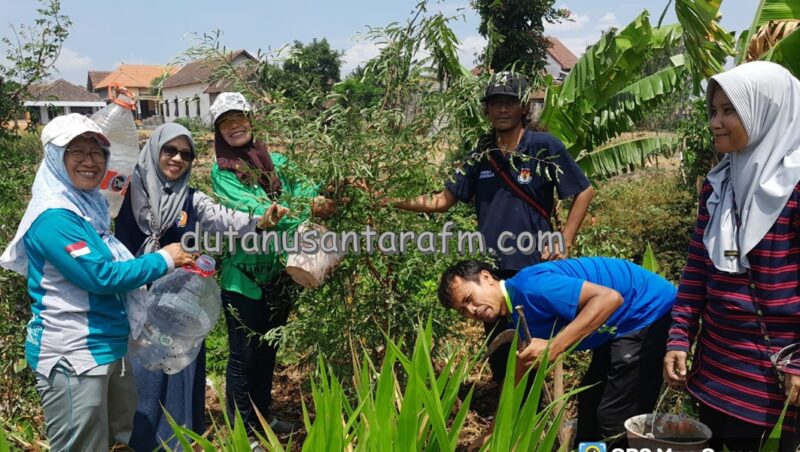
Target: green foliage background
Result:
[19, 403]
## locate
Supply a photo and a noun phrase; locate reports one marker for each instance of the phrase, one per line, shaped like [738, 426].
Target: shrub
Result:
[195, 125]
[387, 146]
[652, 206]
[19, 160]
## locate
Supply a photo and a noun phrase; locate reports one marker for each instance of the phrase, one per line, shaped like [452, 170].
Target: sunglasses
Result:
[171, 151]
[233, 120]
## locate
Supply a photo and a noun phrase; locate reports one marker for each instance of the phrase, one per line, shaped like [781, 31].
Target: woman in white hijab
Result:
[81, 281]
[159, 208]
[741, 276]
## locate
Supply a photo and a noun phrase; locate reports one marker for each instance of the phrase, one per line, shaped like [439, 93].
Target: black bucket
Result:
[681, 434]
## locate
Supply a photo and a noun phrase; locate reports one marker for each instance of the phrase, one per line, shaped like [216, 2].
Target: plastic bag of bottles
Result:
[183, 307]
[116, 121]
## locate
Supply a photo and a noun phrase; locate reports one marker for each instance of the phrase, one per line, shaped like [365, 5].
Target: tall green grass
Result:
[405, 405]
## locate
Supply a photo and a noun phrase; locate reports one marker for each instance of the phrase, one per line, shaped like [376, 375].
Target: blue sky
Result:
[154, 32]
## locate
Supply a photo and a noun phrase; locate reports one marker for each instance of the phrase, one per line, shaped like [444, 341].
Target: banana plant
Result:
[604, 96]
[707, 44]
[773, 35]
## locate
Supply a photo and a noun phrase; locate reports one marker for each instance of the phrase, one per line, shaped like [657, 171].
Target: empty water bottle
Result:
[182, 309]
[116, 121]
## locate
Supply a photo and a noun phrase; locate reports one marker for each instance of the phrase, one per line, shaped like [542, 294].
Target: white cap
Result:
[226, 102]
[63, 129]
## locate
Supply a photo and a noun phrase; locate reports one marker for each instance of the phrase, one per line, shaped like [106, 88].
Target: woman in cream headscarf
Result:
[81, 281]
[160, 208]
[741, 276]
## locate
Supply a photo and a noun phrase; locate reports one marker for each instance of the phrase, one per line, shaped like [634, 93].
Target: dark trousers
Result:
[251, 362]
[738, 435]
[626, 374]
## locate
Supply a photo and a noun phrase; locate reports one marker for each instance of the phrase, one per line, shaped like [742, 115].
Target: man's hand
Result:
[530, 356]
[547, 255]
[675, 368]
[322, 207]
[792, 384]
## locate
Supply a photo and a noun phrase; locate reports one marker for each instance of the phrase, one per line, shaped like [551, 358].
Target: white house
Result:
[560, 59]
[61, 97]
[188, 93]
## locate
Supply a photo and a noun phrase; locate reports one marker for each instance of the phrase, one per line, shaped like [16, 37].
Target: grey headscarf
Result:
[763, 175]
[157, 201]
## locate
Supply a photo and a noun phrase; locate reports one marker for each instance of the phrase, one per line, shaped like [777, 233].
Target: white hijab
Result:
[53, 189]
[763, 175]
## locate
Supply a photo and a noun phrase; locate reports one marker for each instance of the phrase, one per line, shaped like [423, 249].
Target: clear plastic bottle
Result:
[182, 309]
[116, 121]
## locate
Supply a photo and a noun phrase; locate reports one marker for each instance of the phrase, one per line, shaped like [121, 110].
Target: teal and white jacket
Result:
[77, 290]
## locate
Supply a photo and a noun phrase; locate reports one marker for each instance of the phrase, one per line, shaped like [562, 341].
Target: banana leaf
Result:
[768, 10]
[618, 156]
[787, 53]
[707, 43]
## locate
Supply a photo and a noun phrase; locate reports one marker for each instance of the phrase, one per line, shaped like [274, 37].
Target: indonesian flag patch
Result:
[78, 249]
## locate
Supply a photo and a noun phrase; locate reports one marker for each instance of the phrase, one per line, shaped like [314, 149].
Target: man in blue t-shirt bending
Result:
[513, 175]
[613, 307]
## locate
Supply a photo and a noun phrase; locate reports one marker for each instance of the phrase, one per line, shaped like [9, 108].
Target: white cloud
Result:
[606, 22]
[470, 46]
[583, 31]
[574, 22]
[73, 67]
[359, 53]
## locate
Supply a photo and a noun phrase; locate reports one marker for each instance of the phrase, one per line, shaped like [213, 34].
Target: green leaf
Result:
[786, 53]
[604, 95]
[707, 43]
[649, 260]
[770, 10]
[618, 156]
[634, 101]
[773, 441]
[4, 447]
[181, 432]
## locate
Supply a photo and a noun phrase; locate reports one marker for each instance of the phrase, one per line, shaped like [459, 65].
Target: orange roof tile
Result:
[134, 75]
[95, 77]
[561, 53]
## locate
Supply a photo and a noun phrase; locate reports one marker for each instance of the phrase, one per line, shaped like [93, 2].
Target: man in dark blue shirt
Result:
[615, 308]
[541, 165]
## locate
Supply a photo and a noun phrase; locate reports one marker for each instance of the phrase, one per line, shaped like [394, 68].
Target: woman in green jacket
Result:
[256, 292]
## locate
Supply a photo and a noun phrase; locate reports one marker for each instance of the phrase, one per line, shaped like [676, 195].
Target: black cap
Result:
[505, 84]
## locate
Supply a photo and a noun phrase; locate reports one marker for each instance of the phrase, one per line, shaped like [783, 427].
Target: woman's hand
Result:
[178, 255]
[792, 384]
[272, 216]
[322, 207]
[675, 368]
